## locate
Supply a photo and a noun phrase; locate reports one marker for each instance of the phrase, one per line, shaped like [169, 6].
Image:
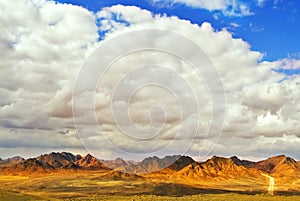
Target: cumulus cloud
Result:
[43, 55]
[257, 101]
[42, 44]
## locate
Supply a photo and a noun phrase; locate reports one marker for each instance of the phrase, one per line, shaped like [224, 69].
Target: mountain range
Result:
[168, 175]
[178, 166]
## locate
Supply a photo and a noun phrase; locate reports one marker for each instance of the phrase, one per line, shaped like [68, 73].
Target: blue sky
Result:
[272, 28]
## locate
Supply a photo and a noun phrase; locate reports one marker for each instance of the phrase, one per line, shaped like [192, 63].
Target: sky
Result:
[117, 78]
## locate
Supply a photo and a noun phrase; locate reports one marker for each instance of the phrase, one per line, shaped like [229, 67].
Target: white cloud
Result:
[289, 64]
[42, 56]
[253, 90]
[42, 44]
[235, 25]
[268, 97]
[258, 148]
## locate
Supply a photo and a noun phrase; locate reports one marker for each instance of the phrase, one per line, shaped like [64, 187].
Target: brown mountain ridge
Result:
[177, 166]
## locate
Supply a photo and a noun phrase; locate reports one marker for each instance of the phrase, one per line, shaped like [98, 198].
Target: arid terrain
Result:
[64, 176]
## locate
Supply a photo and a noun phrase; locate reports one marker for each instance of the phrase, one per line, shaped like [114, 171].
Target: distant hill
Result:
[154, 164]
[11, 161]
[54, 161]
[57, 160]
[245, 163]
[278, 165]
[90, 162]
[117, 163]
[119, 176]
[31, 165]
[180, 163]
[218, 167]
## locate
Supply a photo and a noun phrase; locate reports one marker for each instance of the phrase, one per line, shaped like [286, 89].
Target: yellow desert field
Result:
[92, 185]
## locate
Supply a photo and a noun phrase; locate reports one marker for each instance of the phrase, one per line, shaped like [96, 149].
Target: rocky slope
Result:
[218, 167]
[54, 161]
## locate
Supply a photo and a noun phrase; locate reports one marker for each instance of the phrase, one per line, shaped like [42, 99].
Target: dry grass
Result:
[13, 196]
[89, 186]
[202, 197]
